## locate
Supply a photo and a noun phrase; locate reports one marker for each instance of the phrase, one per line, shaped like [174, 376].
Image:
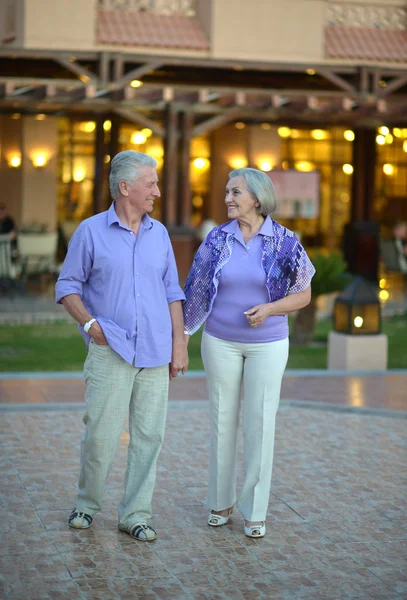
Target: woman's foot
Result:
[219, 517]
[255, 529]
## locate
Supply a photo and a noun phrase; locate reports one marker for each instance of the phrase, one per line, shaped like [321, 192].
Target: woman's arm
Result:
[258, 314]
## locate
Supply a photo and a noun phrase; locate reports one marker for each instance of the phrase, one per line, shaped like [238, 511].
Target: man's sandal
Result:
[79, 519]
[140, 531]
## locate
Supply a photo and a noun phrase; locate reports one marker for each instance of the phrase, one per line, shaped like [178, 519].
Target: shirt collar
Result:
[112, 217]
[265, 229]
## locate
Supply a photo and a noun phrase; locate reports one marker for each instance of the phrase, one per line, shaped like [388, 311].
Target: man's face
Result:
[144, 191]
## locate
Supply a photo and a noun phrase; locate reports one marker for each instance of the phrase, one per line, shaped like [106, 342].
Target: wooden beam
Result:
[216, 122]
[336, 80]
[396, 84]
[84, 75]
[137, 73]
[170, 168]
[184, 184]
[104, 68]
[139, 119]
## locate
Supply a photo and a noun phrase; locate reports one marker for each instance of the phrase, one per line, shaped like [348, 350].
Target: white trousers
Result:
[260, 367]
[115, 390]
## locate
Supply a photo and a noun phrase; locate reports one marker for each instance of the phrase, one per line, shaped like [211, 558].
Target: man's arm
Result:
[74, 305]
[179, 360]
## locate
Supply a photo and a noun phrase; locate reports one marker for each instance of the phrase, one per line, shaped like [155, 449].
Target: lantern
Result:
[357, 309]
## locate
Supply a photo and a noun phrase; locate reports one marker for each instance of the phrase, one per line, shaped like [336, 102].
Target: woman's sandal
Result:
[215, 520]
[255, 531]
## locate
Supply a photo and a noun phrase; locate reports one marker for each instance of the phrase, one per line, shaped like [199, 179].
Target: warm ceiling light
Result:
[319, 134]
[106, 159]
[79, 175]
[265, 126]
[349, 135]
[304, 165]
[388, 138]
[404, 132]
[381, 140]
[397, 132]
[265, 165]
[347, 169]
[238, 162]
[388, 169]
[201, 163]
[138, 138]
[284, 132]
[147, 132]
[107, 125]
[384, 130]
[136, 83]
[310, 72]
[39, 159]
[405, 145]
[14, 161]
[295, 134]
[40, 117]
[382, 283]
[384, 295]
[358, 321]
[197, 201]
[240, 125]
[87, 127]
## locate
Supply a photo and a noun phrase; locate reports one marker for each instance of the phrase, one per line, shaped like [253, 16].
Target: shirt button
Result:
[137, 294]
[131, 232]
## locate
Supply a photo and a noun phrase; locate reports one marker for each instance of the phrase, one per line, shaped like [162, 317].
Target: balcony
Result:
[158, 24]
[185, 8]
[366, 32]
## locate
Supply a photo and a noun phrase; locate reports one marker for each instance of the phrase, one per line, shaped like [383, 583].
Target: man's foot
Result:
[79, 519]
[255, 529]
[219, 517]
[140, 531]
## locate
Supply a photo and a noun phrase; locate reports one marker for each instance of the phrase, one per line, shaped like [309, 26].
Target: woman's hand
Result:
[258, 314]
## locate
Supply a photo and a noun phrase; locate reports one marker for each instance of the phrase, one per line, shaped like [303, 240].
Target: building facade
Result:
[205, 86]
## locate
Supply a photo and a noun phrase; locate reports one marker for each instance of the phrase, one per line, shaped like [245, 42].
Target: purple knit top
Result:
[242, 285]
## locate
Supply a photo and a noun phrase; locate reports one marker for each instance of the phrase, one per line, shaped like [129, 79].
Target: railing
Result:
[163, 7]
[367, 15]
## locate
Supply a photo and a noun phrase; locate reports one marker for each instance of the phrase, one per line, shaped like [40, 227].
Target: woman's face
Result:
[239, 202]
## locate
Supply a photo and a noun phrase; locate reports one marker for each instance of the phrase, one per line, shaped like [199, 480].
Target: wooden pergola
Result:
[180, 98]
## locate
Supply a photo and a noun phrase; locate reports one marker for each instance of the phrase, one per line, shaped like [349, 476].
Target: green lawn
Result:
[59, 347]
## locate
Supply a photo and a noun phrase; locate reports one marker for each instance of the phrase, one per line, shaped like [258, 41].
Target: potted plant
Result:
[330, 276]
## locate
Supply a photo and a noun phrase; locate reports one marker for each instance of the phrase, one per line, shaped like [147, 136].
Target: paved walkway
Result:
[370, 392]
[336, 523]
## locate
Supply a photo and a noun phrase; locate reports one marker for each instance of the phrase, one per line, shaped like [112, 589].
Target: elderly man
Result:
[120, 282]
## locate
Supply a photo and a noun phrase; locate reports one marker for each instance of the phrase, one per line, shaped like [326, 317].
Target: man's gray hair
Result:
[260, 186]
[126, 167]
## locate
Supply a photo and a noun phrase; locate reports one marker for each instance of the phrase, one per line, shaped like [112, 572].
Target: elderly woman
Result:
[247, 275]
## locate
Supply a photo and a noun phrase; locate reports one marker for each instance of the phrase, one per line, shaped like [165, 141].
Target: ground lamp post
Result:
[356, 343]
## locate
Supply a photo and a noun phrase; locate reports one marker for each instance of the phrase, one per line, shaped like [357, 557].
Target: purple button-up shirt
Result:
[126, 282]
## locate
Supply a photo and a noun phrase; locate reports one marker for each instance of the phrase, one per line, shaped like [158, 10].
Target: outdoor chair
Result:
[38, 252]
[12, 275]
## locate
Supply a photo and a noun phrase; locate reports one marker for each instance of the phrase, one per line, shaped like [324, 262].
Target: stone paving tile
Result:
[336, 525]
